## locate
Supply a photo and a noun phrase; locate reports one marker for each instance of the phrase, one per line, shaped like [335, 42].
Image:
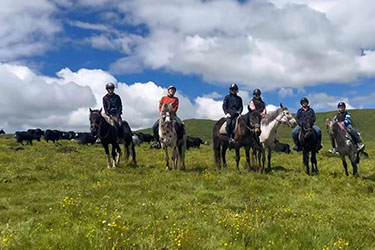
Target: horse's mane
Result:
[272, 115]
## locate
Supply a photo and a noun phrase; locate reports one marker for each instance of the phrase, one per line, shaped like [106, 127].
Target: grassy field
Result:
[62, 196]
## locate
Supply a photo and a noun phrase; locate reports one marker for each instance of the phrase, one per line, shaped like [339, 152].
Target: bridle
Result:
[99, 125]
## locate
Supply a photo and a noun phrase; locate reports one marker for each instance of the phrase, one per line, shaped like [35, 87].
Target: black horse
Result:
[108, 134]
[245, 135]
[308, 140]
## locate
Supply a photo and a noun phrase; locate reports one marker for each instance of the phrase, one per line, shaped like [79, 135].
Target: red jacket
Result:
[169, 100]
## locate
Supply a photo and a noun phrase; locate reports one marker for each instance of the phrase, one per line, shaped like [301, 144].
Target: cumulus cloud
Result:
[27, 99]
[27, 28]
[285, 92]
[323, 102]
[273, 44]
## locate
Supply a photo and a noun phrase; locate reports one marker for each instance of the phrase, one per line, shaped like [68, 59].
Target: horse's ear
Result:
[90, 110]
[281, 105]
[100, 110]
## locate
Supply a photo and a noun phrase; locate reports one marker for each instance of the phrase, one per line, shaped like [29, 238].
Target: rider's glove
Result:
[227, 115]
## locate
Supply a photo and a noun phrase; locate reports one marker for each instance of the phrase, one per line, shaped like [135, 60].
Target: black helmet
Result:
[257, 92]
[341, 104]
[304, 99]
[109, 86]
[172, 87]
[233, 86]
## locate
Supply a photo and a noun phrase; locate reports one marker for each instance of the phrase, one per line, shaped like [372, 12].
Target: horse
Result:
[172, 136]
[108, 134]
[245, 135]
[344, 144]
[308, 140]
[269, 125]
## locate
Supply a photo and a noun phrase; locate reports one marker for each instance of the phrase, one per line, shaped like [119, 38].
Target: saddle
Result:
[223, 128]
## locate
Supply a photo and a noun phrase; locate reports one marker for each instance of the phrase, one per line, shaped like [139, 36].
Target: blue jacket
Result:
[344, 117]
[232, 104]
[112, 105]
[309, 112]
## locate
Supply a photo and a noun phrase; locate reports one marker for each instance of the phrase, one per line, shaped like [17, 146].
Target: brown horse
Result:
[245, 135]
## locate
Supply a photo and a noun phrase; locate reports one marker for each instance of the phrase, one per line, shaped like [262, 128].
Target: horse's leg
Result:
[106, 149]
[269, 159]
[118, 155]
[263, 160]
[353, 160]
[237, 149]
[217, 148]
[181, 155]
[345, 165]
[114, 155]
[314, 162]
[174, 157]
[133, 152]
[166, 157]
[247, 152]
[306, 161]
[223, 154]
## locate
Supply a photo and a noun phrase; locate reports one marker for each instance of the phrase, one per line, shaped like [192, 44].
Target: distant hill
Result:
[364, 121]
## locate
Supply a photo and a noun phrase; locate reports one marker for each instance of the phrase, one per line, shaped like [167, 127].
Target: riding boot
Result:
[297, 146]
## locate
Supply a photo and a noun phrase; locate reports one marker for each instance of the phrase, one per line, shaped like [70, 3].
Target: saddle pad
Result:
[223, 128]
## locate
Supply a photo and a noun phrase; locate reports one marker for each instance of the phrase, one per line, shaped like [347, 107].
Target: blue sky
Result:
[320, 49]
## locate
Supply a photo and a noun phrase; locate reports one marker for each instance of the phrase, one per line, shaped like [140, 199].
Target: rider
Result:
[113, 106]
[257, 103]
[169, 99]
[344, 116]
[232, 107]
[304, 111]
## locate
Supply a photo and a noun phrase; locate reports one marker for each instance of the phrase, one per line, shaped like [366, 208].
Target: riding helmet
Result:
[304, 99]
[257, 92]
[341, 104]
[109, 86]
[172, 87]
[233, 86]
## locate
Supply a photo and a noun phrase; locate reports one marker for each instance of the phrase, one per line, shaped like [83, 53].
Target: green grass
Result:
[63, 197]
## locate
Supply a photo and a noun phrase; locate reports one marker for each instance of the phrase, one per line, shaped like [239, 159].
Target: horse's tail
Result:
[357, 157]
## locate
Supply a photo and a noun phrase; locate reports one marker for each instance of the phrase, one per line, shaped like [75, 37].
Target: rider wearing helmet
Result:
[305, 111]
[257, 103]
[232, 107]
[344, 116]
[169, 99]
[113, 106]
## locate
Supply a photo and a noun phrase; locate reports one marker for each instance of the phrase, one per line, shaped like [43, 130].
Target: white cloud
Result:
[27, 28]
[324, 102]
[285, 92]
[256, 42]
[213, 95]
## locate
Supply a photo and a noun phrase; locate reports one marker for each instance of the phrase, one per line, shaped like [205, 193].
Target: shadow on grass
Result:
[369, 178]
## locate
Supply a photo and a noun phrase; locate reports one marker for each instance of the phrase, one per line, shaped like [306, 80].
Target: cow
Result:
[193, 142]
[86, 138]
[281, 147]
[136, 140]
[36, 131]
[26, 136]
[145, 137]
[2, 132]
[52, 135]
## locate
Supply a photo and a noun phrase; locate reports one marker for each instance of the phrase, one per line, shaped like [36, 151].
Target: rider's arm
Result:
[175, 105]
[313, 116]
[225, 105]
[348, 120]
[251, 105]
[120, 106]
[241, 106]
[161, 103]
[105, 105]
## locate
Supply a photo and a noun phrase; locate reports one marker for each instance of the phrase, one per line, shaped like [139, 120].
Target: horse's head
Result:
[254, 121]
[306, 126]
[167, 114]
[96, 120]
[285, 117]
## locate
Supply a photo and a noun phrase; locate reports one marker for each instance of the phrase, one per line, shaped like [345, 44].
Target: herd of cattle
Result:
[86, 138]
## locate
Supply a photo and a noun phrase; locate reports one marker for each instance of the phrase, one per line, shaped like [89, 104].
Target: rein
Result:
[99, 126]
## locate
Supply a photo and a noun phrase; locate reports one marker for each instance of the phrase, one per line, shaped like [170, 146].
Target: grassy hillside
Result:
[62, 196]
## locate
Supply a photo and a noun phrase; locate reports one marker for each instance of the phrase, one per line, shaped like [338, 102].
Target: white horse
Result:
[269, 125]
[169, 138]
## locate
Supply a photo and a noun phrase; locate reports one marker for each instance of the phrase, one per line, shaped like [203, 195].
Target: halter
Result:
[100, 124]
[251, 124]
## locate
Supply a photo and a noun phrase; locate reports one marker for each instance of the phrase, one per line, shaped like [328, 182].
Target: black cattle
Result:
[2, 132]
[36, 131]
[85, 138]
[145, 137]
[193, 142]
[281, 147]
[52, 135]
[26, 136]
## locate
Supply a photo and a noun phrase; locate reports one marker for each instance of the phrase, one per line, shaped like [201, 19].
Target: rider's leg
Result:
[357, 139]
[319, 133]
[229, 128]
